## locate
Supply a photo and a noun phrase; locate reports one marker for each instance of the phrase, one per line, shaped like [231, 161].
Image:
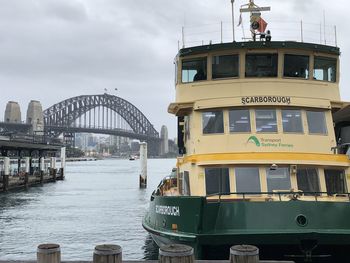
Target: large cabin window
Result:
[194, 70]
[213, 122]
[239, 120]
[325, 69]
[296, 66]
[335, 181]
[261, 65]
[266, 120]
[316, 121]
[307, 179]
[278, 179]
[217, 180]
[226, 66]
[247, 180]
[291, 120]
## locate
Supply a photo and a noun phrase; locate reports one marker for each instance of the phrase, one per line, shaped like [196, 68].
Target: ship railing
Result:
[282, 195]
[281, 30]
[343, 148]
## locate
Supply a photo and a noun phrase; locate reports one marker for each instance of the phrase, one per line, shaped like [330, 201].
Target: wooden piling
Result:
[48, 253]
[5, 179]
[176, 253]
[107, 253]
[143, 161]
[244, 254]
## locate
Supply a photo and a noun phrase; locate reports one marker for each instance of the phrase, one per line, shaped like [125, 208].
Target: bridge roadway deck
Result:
[116, 132]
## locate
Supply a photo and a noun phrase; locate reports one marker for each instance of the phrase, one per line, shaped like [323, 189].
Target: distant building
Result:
[164, 144]
[13, 112]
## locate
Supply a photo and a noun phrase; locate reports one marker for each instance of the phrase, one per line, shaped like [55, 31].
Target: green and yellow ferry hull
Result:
[279, 227]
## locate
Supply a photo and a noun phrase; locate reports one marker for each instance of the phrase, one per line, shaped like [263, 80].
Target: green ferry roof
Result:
[258, 45]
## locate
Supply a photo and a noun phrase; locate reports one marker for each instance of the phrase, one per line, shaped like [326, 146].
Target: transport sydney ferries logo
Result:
[268, 142]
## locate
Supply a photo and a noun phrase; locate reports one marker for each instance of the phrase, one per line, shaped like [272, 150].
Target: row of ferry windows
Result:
[260, 65]
[247, 180]
[265, 121]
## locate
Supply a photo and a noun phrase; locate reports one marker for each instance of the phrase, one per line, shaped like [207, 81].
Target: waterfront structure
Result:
[164, 144]
[263, 143]
[24, 164]
[13, 112]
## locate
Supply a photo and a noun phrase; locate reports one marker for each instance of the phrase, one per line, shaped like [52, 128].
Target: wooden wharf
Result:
[25, 164]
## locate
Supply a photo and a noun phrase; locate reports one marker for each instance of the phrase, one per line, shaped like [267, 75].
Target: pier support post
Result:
[27, 171]
[5, 179]
[53, 168]
[42, 168]
[63, 163]
[176, 253]
[48, 253]
[244, 254]
[143, 161]
[107, 253]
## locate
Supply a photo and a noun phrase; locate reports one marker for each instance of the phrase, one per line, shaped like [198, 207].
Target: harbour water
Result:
[98, 202]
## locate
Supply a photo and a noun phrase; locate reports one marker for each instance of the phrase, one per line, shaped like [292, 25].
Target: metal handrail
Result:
[294, 195]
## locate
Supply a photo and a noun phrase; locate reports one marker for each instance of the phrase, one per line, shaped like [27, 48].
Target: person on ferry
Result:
[200, 75]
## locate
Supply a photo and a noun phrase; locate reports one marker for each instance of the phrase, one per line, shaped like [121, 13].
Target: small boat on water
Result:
[264, 141]
[132, 157]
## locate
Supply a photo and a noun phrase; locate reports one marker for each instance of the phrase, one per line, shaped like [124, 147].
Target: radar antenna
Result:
[257, 24]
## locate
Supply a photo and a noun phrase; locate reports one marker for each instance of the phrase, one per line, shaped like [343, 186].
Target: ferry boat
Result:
[263, 139]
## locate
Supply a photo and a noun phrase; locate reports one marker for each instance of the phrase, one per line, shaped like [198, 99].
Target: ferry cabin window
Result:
[278, 179]
[325, 69]
[316, 121]
[335, 181]
[225, 66]
[261, 65]
[239, 120]
[296, 66]
[266, 120]
[213, 122]
[217, 180]
[307, 179]
[194, 70]
[247, 180]
[186, 183]
[291, 120]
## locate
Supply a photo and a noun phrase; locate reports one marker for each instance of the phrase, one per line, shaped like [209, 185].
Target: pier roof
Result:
[22, 145]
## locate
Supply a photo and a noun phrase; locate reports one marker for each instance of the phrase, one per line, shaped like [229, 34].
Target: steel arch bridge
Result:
[98, 114]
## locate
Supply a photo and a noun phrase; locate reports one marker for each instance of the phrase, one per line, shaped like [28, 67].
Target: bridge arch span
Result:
[65, 113]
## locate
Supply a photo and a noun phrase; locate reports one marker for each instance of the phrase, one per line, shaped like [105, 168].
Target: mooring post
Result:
[27, 171]
[48, 253]
[53, 168]
[42, 168]
[107, 253]
[244, 254]
[176, 253]
[143, 161]
[5, 180]
[63, 163]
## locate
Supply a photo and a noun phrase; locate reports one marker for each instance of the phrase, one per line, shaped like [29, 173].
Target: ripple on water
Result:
[99, 202]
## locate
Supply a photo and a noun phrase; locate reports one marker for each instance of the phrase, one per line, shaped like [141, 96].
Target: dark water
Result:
[98, 202]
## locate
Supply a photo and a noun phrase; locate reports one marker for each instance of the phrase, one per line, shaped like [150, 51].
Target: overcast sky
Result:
[51, 50]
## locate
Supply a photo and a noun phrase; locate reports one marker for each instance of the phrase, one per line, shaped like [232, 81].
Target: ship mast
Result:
[257, 24]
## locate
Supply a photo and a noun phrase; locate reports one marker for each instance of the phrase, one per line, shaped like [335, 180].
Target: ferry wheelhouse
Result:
[263, 139]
